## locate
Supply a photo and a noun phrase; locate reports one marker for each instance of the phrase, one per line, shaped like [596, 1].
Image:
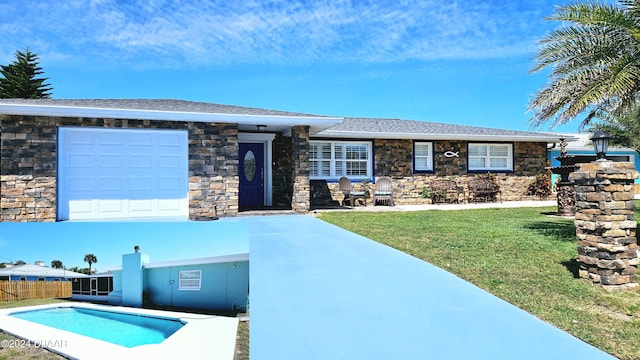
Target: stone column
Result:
[605, 224]
[300, 200]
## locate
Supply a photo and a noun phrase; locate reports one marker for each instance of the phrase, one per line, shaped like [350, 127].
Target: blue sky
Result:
[462, 62]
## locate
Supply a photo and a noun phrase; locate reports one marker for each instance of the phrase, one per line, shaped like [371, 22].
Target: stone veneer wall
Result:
[213, 169]
[605, 224]
[394, 158]
[282, 171]
[301, 196]
[28, 164]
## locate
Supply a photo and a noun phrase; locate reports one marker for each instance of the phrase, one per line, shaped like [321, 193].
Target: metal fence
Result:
[21, 290]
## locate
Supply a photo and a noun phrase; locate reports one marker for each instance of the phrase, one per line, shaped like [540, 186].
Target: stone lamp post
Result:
[605, 220]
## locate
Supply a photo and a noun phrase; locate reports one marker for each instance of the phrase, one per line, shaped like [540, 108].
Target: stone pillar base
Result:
[605, 224]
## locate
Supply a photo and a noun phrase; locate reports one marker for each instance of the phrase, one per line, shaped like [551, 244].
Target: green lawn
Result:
[25, 353]
[521, 255]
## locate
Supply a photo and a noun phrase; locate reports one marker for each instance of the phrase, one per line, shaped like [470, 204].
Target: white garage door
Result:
[122, 173]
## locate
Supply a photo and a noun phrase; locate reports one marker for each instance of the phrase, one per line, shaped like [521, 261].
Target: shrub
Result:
[540, 187]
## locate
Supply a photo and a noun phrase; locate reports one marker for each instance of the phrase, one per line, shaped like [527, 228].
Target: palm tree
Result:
[91, 259]
[56, 264]
[624, 130]
[594, 61]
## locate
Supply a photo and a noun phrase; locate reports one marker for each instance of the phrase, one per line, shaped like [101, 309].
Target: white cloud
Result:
[172, 33]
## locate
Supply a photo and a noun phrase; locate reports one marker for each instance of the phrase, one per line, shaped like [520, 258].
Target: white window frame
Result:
[182, 286]
[429, 157]
[333, 160]
[488, 157]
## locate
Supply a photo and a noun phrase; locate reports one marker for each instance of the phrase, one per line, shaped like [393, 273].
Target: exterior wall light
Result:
[261, 128]
[600, 141]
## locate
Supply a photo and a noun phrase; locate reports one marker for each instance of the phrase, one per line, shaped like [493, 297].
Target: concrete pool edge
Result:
[187, 342]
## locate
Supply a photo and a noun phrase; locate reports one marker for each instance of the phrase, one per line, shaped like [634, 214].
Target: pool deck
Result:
[320, 292]
[203, 337]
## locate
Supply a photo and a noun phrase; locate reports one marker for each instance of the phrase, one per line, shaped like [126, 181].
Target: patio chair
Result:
[347, 189]
[384, 191]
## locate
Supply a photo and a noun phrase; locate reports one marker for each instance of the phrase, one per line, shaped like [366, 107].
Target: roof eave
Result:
[316, 123]
[548, 138]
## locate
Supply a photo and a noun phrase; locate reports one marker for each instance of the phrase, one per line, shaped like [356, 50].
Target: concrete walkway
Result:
[320, 292]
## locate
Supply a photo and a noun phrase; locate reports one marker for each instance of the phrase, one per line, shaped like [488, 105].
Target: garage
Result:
[122, 173]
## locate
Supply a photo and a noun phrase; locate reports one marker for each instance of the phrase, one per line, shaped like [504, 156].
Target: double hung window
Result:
[490, 157]
[334, 159]
[189, 280]
[422, 157]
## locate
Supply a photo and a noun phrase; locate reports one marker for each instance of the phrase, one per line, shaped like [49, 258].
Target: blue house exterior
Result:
[216, 283]
[211, 283]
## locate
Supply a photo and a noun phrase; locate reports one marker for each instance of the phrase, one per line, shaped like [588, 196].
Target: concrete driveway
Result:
[320, 292]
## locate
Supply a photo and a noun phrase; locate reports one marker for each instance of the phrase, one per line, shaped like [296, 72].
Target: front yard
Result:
[523, 256]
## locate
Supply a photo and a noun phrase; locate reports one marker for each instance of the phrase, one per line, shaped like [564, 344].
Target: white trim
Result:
[333, 160]
[267, 140]
[549, 138]
[200, 261]
[429, 156]
[318, 123]
[487, 157]
[190, 288]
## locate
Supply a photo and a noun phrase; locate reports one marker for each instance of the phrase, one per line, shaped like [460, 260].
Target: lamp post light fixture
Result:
[600, 141]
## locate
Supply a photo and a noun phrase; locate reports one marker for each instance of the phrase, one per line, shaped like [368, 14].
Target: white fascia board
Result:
[441, 136]
[319, 123]
[199, 261]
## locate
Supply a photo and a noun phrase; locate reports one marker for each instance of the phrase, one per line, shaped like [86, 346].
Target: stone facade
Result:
[28, 164]
[300, 201]
[282, 171]
[605, 224]
[394, 158]
[27, 168]
[213, 170]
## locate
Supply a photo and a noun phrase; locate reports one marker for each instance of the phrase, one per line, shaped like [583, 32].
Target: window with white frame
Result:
[334, 159]
[422, 156]
[490, 157]
[189, 280]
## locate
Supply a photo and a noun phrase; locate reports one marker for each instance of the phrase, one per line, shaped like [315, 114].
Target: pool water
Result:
[118, 328]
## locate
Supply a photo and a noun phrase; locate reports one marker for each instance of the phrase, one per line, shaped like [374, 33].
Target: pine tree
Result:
[20, 78]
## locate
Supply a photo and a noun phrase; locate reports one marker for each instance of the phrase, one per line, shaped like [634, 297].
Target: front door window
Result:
[249, 165]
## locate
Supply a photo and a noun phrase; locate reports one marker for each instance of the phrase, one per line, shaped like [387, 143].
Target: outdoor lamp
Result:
[600, 141]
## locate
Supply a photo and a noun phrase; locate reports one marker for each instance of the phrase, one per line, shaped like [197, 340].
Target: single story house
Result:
[97, 159]
[217, 282]
[37, 272]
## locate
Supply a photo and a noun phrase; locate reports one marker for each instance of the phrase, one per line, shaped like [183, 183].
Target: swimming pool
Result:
[127, 330]
[202, 336]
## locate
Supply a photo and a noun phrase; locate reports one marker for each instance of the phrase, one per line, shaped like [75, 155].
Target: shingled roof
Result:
[412, 129]
[163, 105]
[37, 270]
[277, 121]
[167, 109]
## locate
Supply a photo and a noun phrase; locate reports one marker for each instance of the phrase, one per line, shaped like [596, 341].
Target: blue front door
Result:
[251, 173]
